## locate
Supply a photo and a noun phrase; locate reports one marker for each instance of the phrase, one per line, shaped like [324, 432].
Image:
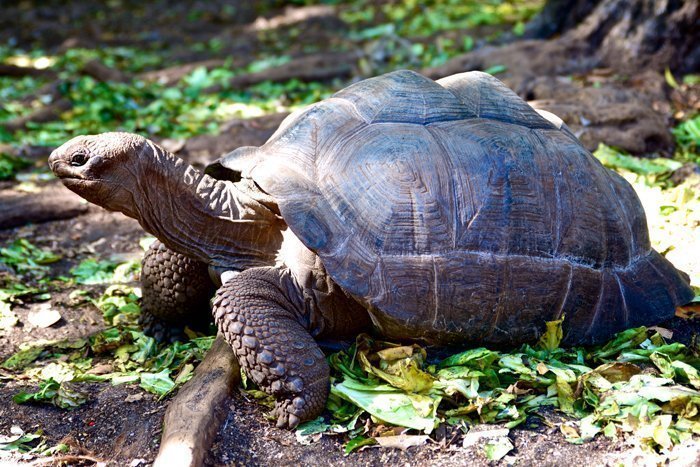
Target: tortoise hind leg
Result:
[176, 292]
[261, 314]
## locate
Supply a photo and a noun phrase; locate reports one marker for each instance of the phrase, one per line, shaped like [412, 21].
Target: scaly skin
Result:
[176, 292]
[262, 323]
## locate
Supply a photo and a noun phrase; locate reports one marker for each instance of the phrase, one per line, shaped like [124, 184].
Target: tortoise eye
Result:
[78, 159]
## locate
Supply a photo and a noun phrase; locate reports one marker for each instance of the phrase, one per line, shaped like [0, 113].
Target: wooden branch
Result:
[194, 415]
[19, 71]
[171, 75]
[102, 72]
[49, 204]
[317, 67]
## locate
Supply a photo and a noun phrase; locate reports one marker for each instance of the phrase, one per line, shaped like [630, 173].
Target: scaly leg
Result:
[176, 292]
[262, 316]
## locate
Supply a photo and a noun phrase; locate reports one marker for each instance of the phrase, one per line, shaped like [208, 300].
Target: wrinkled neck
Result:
[211, 220]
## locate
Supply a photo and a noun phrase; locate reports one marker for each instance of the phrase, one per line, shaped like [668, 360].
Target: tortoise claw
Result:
[286, 418]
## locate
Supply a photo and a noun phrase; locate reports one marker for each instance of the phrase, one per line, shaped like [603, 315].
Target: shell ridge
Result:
[565, 296]
[625, 307]
[596, 310]
[345, 101]
[556, 213]
[452, 169]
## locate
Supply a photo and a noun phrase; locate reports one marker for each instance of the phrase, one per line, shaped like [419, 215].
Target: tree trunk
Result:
[632, 34]
[558, 16]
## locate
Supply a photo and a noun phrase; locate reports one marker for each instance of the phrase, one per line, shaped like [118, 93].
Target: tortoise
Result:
[448, 212]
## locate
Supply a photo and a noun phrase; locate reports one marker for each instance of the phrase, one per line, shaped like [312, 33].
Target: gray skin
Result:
[449, 212]
[270, 312]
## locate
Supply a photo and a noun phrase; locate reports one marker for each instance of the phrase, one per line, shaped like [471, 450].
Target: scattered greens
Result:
[21, 442]
[63, 395]
[687, 135]
[92, 271]
[25, 257]
[636, 383]
[616, 159]
[673, 212]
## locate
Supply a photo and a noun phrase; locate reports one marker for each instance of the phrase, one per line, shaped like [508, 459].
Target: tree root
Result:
[195, 413]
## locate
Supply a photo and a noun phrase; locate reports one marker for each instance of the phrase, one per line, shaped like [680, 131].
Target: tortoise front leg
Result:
[260, 314]
[176, 291]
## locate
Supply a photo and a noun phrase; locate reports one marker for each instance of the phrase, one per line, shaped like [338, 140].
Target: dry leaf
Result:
[134, 397]
[402, 442]
[44, 316]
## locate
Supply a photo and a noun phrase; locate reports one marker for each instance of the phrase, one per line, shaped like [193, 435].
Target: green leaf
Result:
[92, 271]
[19, 442]
[565, 397]
[686, 373]
[64, 395]
[497, 448]
[390, 404]
[24, 257]
[399, 366]
[357, 442]
[496, 69]
[23, 358]
[621, 341]
[479, 359]
[616, 159]
[307, 432]
[670, 80]
[157, 383]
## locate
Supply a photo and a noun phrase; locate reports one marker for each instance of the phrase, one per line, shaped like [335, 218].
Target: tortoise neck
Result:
[211, 220]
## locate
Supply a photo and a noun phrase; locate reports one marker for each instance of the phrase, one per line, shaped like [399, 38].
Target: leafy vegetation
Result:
[637, 383]
[26, 258]
[687, 135]
[672, 211]
[21, 442]
[10, 165]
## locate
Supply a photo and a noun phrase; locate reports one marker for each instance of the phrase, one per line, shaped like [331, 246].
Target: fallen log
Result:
[194, 415]
[49, 204]
[102, 72]
[20, 71]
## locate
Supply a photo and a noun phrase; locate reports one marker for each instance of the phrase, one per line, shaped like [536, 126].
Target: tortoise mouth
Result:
[63, 170]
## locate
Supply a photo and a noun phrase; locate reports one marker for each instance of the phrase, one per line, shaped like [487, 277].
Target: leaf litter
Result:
[60, 366]
[637, 383]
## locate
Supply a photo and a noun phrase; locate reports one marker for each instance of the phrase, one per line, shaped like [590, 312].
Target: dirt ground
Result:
[111, 430]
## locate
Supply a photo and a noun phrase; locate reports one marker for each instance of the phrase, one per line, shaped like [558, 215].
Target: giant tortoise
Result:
[448, 212]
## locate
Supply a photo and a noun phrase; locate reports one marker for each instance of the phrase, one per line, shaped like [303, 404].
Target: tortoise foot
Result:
[263, 327]
[161, 330]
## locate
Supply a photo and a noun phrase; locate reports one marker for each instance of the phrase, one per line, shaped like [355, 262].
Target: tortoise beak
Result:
[68, 160]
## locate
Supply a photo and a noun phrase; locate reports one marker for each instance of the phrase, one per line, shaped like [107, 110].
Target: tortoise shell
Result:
[455, 212]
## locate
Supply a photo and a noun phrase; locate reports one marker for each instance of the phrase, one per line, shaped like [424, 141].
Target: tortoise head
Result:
[103, 169]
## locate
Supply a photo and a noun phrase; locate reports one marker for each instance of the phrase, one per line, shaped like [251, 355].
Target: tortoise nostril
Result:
[78, 159]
